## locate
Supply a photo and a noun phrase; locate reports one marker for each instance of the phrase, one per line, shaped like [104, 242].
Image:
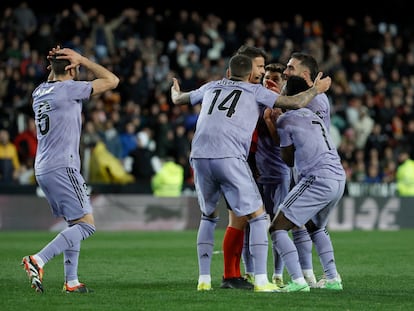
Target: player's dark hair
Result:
[295, 85]
[59, 65]
[308, 61]
[240, 66]
[275, 67]
[252, 51]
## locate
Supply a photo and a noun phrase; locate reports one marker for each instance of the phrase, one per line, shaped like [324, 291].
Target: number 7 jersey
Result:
[315, 152]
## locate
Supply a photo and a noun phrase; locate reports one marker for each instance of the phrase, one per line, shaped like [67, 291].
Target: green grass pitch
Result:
[158, 271]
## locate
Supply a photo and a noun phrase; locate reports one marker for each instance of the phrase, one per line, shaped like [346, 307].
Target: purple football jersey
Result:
[58, 113]
[321, 106]
[269, 163]
[315, 153]
[228, 116]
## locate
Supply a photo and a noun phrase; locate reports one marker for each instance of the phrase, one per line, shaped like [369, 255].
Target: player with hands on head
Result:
[57, 106]
[219, 150]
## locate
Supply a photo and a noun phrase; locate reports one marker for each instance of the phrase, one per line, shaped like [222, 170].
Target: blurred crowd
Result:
[371, 63]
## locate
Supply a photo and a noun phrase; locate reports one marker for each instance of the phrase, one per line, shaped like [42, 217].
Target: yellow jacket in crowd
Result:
[405, 178]
[105, 168]
[168, 181]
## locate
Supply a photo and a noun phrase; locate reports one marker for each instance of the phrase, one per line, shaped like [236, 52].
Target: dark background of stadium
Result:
[396, 11]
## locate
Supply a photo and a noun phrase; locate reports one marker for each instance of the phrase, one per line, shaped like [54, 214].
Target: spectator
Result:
[112, 139]
[26, 143]
[9, 159]
[105, 168]
[124, 39]
[25, 19]
[182, 143]
[103, 32]
[128, 139]
[231, 38]
[168, 181]
[363, 127]
[89, 138]
[143, 156]
[405, 174]
[356, 85]
[164, 135]
[373, 175]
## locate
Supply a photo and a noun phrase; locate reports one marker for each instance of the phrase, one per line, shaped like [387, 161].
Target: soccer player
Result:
[228, 116]
[57, 105]
[236, 237]
[305, 143]
[274, 174]
[305, 65]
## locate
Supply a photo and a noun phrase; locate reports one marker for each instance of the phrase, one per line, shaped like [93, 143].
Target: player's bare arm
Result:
[105, 80]
[301, 99]
[270, 116]
[178, 97]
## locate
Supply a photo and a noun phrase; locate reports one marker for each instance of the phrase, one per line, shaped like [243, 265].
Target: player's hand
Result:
[267, 114]
[322, 84]
[271, 85]
[272, 114]
[276, 113]
[74, 57]
[175, 90]
[50, 55]
[53, 51]
[176, 85]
